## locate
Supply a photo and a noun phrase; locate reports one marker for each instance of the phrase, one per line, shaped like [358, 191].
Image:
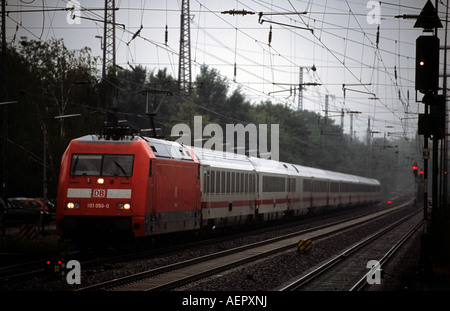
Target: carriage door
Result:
[291, 192]
[150, 201]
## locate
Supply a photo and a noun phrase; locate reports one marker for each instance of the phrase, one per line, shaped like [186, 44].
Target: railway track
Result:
[178, 274]
[348, 270]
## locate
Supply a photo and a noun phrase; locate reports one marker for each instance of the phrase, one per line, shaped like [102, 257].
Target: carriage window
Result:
[274, 184]
[218, 182]
[307, 185]
[238, 183]
[233, 186]
[222, 185]
[213, 182]
[246, 184]
[320, 186]
[334, 187]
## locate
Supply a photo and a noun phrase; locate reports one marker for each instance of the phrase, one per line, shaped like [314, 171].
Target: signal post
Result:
[432, 121]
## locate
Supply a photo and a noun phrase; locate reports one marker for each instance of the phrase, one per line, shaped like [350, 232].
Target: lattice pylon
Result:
[184, 66]
[109, 39]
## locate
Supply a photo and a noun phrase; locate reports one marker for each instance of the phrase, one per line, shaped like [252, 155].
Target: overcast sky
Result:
[340, 40]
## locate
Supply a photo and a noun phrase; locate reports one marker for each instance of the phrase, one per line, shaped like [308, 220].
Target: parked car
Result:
[16, 213]
[37, 203]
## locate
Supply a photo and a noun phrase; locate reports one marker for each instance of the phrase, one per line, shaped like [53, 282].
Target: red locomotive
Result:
[134, 186]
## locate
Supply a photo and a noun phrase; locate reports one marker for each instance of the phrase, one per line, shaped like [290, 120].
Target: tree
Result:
[47, 80]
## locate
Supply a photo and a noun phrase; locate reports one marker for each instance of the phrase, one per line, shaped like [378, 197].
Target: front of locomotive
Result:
[99, 192]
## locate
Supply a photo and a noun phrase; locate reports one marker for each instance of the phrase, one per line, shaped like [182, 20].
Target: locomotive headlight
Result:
[100, 181]
[72, 205]
[125, 206]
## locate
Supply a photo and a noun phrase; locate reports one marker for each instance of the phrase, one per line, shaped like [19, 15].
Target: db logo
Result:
[99, 193]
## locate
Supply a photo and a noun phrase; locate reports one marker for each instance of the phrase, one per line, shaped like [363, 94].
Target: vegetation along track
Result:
[178, 274]
[361, 264]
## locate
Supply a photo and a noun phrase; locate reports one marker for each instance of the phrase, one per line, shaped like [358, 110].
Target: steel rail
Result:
[309, 277]
[389, 255]
[288, 239]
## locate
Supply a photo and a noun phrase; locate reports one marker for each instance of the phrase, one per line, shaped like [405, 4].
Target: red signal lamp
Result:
[415, 169]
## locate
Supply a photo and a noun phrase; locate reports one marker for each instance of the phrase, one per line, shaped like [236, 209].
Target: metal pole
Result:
[425, 181]
[44, 182]
[3, 98]
[435, 173]
[444, 87]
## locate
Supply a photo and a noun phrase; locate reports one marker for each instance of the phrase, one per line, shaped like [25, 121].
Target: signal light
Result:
[415, 169]
[427, 63]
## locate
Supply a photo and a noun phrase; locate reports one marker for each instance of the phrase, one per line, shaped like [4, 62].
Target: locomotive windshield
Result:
[102, 165]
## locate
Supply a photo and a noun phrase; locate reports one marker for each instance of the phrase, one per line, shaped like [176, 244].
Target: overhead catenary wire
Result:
[276, 58]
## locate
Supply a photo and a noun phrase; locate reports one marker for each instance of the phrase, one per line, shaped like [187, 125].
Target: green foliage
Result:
[48, 80]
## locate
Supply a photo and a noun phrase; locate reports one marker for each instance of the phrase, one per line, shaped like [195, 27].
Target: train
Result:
[134, 186]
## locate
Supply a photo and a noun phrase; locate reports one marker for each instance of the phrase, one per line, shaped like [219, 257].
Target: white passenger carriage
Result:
[228, 188]
[237, 189]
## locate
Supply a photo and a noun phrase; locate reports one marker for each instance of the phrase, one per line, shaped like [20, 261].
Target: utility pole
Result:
[109, 60]
[351, 122]
[445, 141]
[109, 39]
[301, 85]
[369, 132]
[300, 90]
[184, 65]
[4, 108]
